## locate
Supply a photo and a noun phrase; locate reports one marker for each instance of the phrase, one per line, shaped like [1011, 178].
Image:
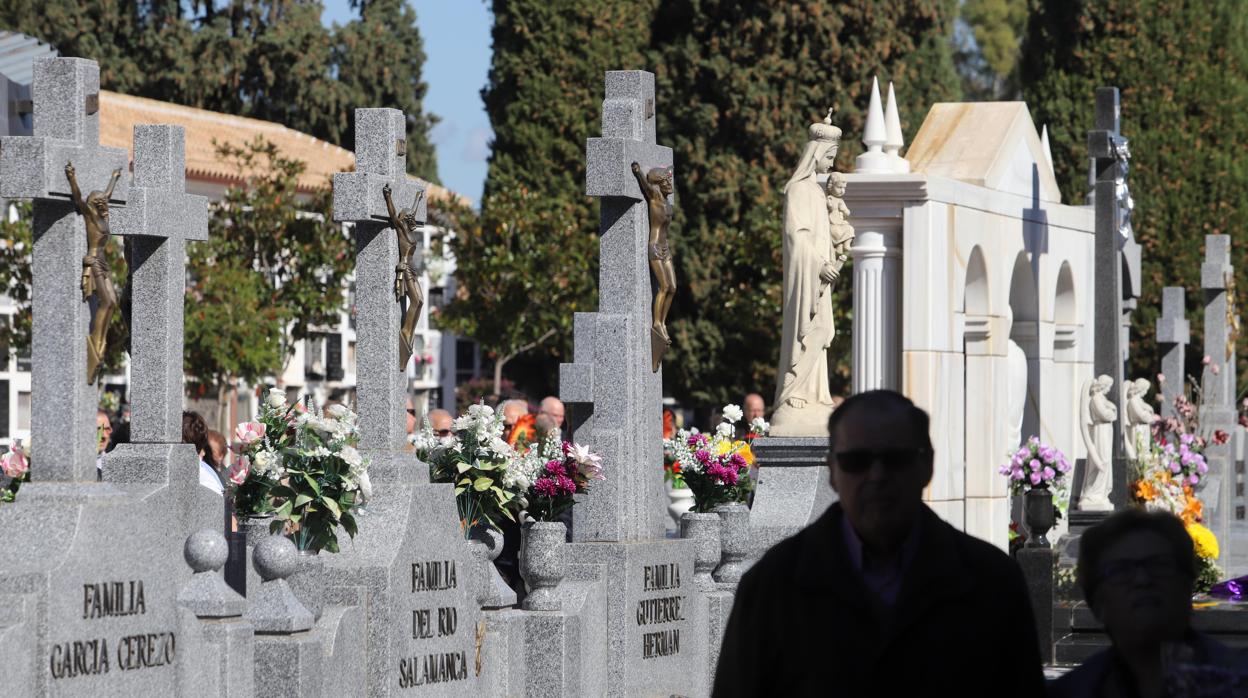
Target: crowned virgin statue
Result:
[803, 396]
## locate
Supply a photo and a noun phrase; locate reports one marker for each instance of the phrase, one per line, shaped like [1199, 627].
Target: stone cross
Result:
[615, 398]
[1173, 334]
[381, 394]
[1218, 394]
[162, 217]
[66, 129]
[1107, 148]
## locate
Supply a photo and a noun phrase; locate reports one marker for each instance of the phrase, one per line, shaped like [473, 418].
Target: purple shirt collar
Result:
[884, 583]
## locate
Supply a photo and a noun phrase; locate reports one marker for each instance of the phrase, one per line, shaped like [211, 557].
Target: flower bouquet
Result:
[550, 475]
[1206, 545]
[1036, 465]
[258, 467]
[1172, 468]
[477, 460]
[305, 469]
[717, 467]
[15, 464]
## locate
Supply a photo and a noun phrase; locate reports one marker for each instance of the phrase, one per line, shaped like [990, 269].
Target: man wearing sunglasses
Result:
[881, 597]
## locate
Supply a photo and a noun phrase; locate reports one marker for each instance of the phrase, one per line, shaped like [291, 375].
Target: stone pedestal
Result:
[793, 488]
[1038, 570]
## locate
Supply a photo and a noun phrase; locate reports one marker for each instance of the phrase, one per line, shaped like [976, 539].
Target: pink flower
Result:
[1034, 464]
[1049, 473]
[1206, 360]
[1213, 368]
[249, 432]
[1202, 467]
[14, 464]
[1161, 378]
[238, 472]
[1035, 478]
[1016, 474]
[702, 456]
[566, 486]
[1175, 467]
[554, 468]
[546, 487]
[1192, 480]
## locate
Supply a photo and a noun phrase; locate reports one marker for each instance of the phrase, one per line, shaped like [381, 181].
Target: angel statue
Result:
[406, 275]
[1137, 434]
[1096, 413]
[97, 283]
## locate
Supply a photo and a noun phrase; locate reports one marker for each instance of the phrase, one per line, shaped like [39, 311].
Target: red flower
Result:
[1220, 437]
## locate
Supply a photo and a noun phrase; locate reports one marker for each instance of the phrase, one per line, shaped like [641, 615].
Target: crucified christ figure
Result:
[96, 280]
[656, 186]
[406, 276]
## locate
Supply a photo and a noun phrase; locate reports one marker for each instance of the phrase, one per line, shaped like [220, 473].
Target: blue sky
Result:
[457, 49]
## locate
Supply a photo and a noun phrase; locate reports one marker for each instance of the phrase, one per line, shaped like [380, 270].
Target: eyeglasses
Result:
[1155, 567]
[859, 461]
[442, 432]
[411, 412]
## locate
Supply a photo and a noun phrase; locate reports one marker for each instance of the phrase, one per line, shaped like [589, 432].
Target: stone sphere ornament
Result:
[275, 557]
[205, 550]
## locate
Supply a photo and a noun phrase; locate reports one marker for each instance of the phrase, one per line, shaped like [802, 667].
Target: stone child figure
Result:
[803, 394]
[1096, 412]
[406, 276]
[656, 187]
[96, 280]
[838, 220]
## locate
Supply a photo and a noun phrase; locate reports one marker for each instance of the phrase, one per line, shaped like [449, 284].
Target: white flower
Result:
[724, 429]
[338, 412]
[760, 426]
[350, 456]
[276, 398]
[366, 486]
[265, 463]
[500, 447]
[733, 413]
[464, 422]
[480, 412]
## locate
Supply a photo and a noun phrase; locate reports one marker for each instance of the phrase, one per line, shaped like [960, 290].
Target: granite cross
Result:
[1109, 151]
[1173, 334]
[162, 217]
[66, 129]
[381, 394]
[614, 395]
[1218, 394]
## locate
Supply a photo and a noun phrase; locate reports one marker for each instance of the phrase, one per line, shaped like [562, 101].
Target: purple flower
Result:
[1202, 467]
[696, 440]
[1192, 480]
[1035, 478]
[566, 486]
[1034, 464]
[737, 461]
[1016, 474]
[702, 456]
[1175, 467]
[546, 487]
[554, 467]
[1186, 439]
[1049, 473]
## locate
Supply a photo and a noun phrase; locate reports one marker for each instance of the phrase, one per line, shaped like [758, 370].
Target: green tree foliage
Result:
[285, 257]
[1181, 69]
[738, 84]
[267, 59]
[379, 59]
[738, 87]
[519, 280]
[997, 26]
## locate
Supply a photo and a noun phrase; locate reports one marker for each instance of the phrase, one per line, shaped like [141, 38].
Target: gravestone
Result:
[1173, 334]
[1218, 396]
[615, 406]
[1109, 151]
[409, 565]
[104, 572]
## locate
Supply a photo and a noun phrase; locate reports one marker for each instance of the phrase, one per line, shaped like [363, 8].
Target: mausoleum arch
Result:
[976, 291]
[1065, 315]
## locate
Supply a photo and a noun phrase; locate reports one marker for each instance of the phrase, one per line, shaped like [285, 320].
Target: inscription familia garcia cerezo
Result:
[429, 623]
[660, 610]
[91, 656]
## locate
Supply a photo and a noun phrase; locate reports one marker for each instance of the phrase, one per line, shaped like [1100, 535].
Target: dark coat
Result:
[1104, 674]
[804, 624]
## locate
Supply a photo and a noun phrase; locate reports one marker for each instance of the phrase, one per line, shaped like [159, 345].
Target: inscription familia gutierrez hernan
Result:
[660, 610]
[91, 656]
[435, 667]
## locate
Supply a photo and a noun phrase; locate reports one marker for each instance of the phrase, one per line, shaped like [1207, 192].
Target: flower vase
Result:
[703, 529]
[1038, 515]
[255, 528]
[680, 500]
[542, 564]
[734, 537]
[486, 544]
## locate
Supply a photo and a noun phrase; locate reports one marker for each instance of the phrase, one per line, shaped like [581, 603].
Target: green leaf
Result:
[333, 508]
[301, 500]
[482, 484]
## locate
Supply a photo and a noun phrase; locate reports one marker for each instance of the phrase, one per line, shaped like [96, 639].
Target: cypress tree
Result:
[1180, 67]
[739, 86]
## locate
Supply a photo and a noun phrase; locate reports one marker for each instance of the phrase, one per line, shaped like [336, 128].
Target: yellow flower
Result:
[1206, 543]
[739, 447]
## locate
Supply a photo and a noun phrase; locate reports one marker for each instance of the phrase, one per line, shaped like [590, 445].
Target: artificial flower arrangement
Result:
[303, 467]
[551, 474]
[1035, 465]
[1206, 545]
[15, 464]
[1170, 469]
[478, 461]
[716, 468]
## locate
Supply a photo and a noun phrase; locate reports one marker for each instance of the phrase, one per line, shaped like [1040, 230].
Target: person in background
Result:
[552, 407]
[218, 452]
[103, 433]
[879, 596]
[1136, 570]
[519, 427]
[440, 422]
[412, 423]
[121, 435]
[195, 432]
[754, 407]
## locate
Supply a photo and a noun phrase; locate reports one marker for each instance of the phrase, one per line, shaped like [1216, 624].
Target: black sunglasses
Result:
[859, 461]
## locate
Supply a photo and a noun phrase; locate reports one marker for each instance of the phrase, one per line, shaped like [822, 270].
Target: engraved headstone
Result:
[1173, 334]
[656, 631]
[105, 568]
[1218, 397]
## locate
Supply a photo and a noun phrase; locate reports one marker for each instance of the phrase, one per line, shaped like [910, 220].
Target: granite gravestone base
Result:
[412, 571]
[104, 574]
[793, 488]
